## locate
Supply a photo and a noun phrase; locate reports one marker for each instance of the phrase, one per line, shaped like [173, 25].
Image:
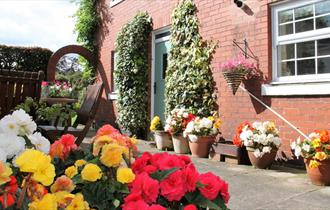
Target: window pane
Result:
[323, 22]
[322, 7]
[323, 65]
[285, 52]
[305, 25]
[285, 16]
[305, 49]
[303, 12]
[287, 69]
[323, 47]
[306, 67]
[286, 29]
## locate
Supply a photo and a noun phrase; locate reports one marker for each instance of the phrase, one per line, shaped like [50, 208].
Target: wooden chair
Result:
[16, 86]
[85, 116]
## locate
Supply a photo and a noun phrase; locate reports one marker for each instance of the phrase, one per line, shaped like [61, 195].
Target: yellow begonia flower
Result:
[112, 155]
[38, 164]
[314, 164]
[91, 172]
[125, 175]
[211, 118]
[79, 163]
[78, 203]
[316, 143]
[5, 172]
[63, 198]
[47, 202]
[71, 171]
[99, 142]
[217, 123]
[321, 156]
[155, 122]
[62, 183]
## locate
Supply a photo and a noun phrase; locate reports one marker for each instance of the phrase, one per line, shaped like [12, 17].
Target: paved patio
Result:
[278, 188]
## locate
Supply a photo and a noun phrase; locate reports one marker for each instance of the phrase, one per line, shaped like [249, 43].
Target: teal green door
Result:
[161, 54]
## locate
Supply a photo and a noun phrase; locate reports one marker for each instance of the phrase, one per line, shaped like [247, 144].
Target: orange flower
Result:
[62, 183]
[36, 191]
[324, 136]
[56, 150]
[106, 130]
[62, 147]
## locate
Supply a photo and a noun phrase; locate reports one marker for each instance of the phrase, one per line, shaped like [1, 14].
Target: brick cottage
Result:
[290, 38]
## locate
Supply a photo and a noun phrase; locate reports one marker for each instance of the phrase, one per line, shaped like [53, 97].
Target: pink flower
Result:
[139, 165]
[156, 207]
[147, 187]
[211, 186]
[168, 161]
[44, 83]
[173, 187]
[190, 207]
[191, 176]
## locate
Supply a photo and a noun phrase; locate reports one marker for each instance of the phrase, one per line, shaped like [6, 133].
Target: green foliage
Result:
[131, 74]
[87, 22]
[24, 58]
[189, 81]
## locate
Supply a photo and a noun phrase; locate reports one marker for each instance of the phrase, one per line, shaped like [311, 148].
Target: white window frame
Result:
[295, 38]
[115, 2]
[317, 84]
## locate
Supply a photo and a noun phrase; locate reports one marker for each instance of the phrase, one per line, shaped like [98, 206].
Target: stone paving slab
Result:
[278, 188]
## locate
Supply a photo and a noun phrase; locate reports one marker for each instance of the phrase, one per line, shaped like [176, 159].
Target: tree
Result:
[189, 81]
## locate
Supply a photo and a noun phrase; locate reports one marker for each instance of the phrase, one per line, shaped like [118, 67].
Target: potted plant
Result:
[262, 141]
[316, 153]
[176, 122]
[162, 138]
[201, 133]
[58, 89]
[234, 70]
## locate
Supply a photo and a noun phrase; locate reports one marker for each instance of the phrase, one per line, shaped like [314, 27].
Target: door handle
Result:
[155, 87]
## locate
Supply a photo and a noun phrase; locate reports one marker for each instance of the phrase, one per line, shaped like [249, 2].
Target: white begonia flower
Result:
[168, 120]
[26, 125]
[3, 155]
[8, 124]
[313, 136]
[297, 151]
[214, 131]
[266, 149]
[167, 127]
[206, 123]
[193, 138]
[190, 127]
[257, 125]
[41, 143]
[306, 147]
[11, 144]
[180, 112]
[263, 139]
[245, 135]
[257, 153]
[293, 145]
[277, 141]
[185, 114]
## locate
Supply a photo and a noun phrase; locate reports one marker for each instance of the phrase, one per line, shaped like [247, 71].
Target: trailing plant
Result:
[189, 81]
[87, 22]
[131, 74]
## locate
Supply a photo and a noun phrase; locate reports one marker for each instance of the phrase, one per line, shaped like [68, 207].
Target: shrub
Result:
[24, 58]
[189, 81]
[131, 74]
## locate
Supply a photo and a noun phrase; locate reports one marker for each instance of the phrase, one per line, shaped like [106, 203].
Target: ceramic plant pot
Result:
[180, 144]
[201, 147]
[320, 175]
[264, 161]
[163, 140]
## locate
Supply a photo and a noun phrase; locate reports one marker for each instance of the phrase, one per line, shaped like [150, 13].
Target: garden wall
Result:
[221, 20]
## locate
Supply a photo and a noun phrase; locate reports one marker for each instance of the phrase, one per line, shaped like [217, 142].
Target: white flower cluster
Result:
[298, 146]
[199, 126]
[13, 129]
[176, 114]
[263, 137]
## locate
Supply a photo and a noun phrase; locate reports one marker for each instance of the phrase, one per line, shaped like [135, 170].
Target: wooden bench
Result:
[16, 86]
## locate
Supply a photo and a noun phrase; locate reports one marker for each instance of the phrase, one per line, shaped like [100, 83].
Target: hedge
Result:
[24, 58]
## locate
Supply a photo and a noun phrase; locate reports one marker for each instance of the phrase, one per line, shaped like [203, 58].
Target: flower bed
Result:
[37, 175]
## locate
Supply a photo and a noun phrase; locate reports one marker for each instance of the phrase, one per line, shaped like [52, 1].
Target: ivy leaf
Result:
[160, 175]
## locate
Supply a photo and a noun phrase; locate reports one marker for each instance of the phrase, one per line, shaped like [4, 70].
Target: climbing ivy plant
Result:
[131, 74]
[189, 81]
[87, 22]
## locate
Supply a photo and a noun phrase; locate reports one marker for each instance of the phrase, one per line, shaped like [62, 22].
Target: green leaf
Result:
[160, 175]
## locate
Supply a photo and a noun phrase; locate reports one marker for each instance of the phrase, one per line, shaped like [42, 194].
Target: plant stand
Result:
[226, 151]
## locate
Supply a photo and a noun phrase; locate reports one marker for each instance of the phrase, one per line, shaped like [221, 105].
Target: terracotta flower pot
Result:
[180, 144]
[261, 162]
[163, 140]
[201, 147]
[320, 175]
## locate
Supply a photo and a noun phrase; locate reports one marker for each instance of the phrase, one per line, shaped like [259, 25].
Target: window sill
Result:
[115, 2]
[112, 96]
[295, 89]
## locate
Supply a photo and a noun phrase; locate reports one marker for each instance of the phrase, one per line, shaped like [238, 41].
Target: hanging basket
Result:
[234, 79]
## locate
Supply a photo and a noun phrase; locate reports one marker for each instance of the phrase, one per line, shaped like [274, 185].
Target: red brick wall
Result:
[222, 21]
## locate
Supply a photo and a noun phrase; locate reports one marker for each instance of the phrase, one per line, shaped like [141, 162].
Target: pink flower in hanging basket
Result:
[238, 64]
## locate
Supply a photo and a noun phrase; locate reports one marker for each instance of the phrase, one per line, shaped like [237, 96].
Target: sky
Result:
[39, 23]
